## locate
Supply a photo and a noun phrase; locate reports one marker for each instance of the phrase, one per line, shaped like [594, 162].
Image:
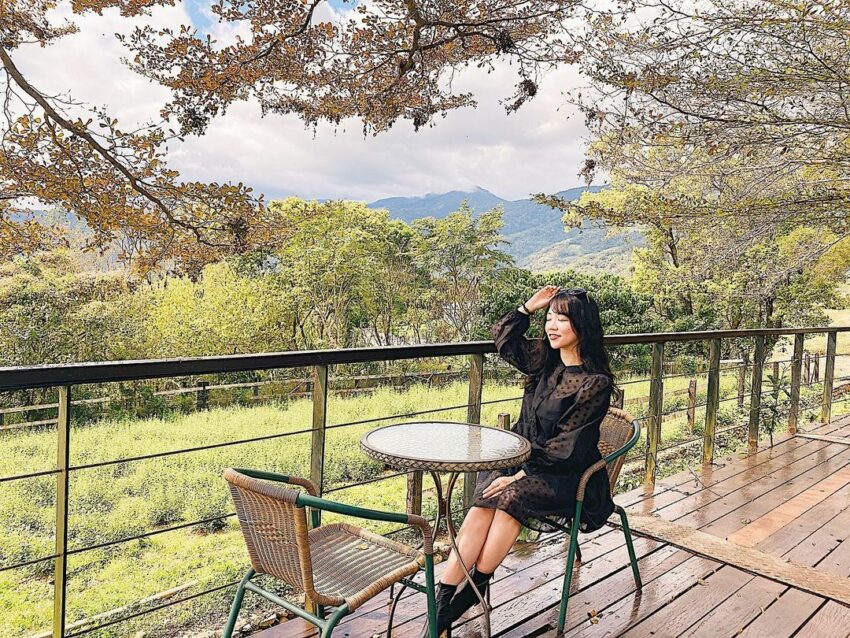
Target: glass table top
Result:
[445, 445]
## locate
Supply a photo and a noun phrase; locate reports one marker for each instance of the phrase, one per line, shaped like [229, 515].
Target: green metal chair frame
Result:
[615, 461]
[289, 525]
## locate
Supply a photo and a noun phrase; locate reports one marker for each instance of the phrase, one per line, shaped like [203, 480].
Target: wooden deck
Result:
[791, 500]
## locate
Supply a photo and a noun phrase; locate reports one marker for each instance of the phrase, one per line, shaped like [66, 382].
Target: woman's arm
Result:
[575, 436]
[527, 355]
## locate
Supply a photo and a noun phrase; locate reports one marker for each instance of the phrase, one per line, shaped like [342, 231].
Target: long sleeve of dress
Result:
[526, 355]
[577, 430]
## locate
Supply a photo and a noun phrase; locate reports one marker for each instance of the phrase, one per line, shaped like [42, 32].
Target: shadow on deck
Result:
[790, 501]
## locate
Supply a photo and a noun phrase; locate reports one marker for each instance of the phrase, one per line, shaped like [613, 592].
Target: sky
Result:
[538, 149]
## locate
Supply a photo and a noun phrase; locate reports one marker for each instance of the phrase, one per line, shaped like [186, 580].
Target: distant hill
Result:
[536, 234]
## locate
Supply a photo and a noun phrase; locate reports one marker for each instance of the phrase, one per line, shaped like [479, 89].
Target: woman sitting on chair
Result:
[566, 397]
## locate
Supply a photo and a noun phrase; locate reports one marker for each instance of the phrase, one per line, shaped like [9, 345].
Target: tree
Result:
[391, 60]
[751, 94]
[460, 253]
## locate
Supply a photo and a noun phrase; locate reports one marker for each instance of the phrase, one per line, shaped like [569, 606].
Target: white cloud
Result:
[536, 149]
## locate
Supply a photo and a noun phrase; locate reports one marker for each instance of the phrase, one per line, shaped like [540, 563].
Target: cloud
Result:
[537, 149]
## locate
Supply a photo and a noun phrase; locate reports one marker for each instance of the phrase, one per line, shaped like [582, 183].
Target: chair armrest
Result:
[372, 515]
[280, 478]
[582, 484]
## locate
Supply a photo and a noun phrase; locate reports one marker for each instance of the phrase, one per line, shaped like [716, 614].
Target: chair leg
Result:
[568, 576]
[334, 619]
[431, 596]
[237, 603]
[632, 557]
[394, 598]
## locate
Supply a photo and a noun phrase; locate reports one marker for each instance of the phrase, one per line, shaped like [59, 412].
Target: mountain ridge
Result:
[535, 233]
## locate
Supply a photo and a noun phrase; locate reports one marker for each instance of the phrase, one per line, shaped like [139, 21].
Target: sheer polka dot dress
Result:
[561, 412]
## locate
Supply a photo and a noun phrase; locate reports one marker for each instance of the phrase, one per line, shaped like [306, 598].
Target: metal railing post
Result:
[653, 420]
[755, 396]
[712, 401]
[828, 376]
[473, 415]
[60, 565]
[796, 375]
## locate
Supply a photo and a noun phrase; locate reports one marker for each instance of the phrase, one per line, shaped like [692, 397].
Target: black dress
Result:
[560, 416]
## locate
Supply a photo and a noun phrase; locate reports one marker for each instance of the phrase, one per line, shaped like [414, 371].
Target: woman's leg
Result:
[470, 541]
[501, 537]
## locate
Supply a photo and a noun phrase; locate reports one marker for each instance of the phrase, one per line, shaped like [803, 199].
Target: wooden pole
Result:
[692, 404]
[755, 396]
[712, 401]
[203, 397]
[808, 363]
[653, 420]
[742, 383]
[317, 440]
[828, 376]
[60, 565]
[414, 492]
[505, 421]
[473, 415]
[796, 369]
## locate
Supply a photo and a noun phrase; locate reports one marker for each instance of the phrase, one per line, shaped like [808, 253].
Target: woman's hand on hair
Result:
[540, 299]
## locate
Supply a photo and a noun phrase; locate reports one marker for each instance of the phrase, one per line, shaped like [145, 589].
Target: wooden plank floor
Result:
[791, 500]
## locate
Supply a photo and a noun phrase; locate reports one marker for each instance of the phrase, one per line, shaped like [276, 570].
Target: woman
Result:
[567, 393]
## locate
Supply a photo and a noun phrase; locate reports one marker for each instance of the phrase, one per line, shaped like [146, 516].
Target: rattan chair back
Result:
[616, 430]
[275, 529]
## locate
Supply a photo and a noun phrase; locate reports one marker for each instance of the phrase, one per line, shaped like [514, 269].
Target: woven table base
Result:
[747, 559]
[823, 437]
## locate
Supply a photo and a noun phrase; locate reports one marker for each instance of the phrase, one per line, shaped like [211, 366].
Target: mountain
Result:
[536, 235]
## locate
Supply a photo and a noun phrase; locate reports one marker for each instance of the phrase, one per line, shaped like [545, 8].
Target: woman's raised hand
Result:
[540, 299]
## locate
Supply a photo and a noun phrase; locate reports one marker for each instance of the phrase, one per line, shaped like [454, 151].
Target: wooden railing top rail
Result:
[42, 376]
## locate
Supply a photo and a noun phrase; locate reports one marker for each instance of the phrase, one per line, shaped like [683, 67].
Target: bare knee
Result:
[478, 517]
[503, 520]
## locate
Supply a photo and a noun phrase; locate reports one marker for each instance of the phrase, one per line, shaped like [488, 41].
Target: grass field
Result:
[130, 498]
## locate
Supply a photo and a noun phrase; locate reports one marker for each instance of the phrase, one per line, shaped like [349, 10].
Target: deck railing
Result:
[65, 377]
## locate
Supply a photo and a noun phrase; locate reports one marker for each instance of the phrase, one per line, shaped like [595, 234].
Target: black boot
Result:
[443, 597]
[466, 598]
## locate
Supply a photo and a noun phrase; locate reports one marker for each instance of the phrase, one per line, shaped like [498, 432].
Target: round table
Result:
[446, 446]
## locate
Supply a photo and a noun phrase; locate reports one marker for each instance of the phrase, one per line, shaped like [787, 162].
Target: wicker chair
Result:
[618, 433]
[337, 565]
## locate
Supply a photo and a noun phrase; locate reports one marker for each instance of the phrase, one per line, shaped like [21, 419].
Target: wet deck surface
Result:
[791, 500]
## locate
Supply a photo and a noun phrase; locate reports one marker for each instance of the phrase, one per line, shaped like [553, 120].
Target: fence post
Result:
[203, 396]
[692, 404]
[712, 401]
[473, 415]
[755, 396]
[60, 566]
[414, 492]
[653, 420]
[505, 421]
[808, 363]
[828, 376]
[816, 368]
[317, 441]
[742, 383]
[796, 369]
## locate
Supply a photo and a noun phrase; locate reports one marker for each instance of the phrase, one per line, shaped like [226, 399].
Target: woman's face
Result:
[559, 330]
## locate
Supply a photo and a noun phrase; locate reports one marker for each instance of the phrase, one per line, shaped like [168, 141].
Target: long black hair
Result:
[583, 313]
